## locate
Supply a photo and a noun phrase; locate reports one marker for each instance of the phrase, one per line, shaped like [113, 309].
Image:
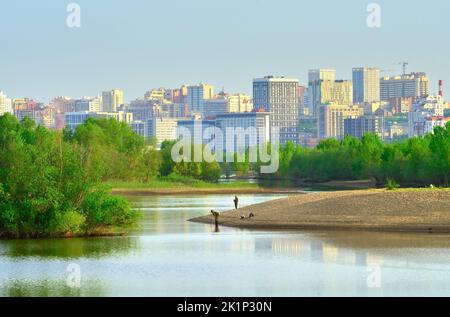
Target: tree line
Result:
[414, 161]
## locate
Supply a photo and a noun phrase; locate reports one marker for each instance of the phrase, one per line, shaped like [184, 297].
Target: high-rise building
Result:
[303, 109]
[141, 109]
[240, 103]
[258, 134]
[279, 97]
[5, 104]
[199, 130]
[196, 95]
[180, 95]
[331, 119]
[162, 129]
[342, 92]
[225, 103]
[112, 100]
[140, 128]
[366, 85]
[63, 104]
[87, 104]
[214, 107]
[23, 104]
[320, 82]
[415, 85]
[359, 126]
[160, 94]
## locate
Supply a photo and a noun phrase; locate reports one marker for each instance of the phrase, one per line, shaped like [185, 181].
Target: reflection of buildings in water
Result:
[361, 258]
[287, 246]
[263, 244]
[317, 251]
[330, 253]
[375, 259]
[243, 245]
[280, 245]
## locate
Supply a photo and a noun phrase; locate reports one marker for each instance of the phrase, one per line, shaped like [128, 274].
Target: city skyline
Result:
[51, 59]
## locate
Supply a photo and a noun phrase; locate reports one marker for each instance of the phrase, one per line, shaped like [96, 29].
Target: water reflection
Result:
[169, 256]
[69, 248]
[49, 288]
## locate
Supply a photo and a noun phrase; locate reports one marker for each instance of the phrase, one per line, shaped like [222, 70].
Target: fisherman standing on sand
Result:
[236, 202]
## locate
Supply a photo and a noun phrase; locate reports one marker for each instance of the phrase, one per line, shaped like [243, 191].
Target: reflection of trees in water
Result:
[50, 288]
[71, 248]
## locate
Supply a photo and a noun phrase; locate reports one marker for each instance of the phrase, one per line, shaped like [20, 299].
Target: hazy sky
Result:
[136, 45]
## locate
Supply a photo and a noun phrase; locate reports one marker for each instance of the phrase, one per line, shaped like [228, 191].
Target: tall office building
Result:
[112, 100]
[279, 97]
[366, 85]
[196, 95]
[320, 82]
[415, 85]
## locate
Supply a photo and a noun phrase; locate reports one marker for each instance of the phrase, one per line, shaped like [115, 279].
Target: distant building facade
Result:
[319, 84]
[359, 126]
[415, 85]
[196, 96]
[331, 119]
[258, 122]
[279, 97]
[5, 104]
[366, 85]
[112, 100]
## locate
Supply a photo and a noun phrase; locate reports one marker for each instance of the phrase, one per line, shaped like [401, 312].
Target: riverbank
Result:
[234, 187]
[411, 210]
[200, 191]
[194, 187]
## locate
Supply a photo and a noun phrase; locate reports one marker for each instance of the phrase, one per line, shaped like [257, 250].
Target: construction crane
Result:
[404, 64]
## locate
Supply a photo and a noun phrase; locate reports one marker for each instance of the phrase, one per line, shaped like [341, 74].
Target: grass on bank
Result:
[179, 182]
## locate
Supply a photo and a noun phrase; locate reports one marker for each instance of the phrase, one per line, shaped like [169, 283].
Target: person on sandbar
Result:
[236, 202]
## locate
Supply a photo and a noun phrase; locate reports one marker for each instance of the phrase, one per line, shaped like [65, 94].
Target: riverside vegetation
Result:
[52, 183]
[419, 161]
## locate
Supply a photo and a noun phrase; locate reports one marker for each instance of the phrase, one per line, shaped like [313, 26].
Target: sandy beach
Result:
[411, 210]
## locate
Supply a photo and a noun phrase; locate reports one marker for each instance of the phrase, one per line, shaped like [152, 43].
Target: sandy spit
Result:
[363, 210]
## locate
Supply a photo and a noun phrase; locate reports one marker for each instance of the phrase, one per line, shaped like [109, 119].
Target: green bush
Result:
[102, 209]
[392, 185]
[49, 180]
[69, 223]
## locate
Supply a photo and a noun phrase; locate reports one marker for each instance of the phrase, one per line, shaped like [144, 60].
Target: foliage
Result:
[392, 184]
[203, 170]
[50, 180]
[414, 161]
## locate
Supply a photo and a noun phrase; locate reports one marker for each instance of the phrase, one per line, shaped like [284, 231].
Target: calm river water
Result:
[169, 256]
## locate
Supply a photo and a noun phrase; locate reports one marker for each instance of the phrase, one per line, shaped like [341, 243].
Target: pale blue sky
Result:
[136, 45]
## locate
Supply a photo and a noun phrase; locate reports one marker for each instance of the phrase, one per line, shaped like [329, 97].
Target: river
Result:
[169, 256]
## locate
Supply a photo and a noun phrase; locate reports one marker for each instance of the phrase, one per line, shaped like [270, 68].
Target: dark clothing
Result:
[236, 202]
